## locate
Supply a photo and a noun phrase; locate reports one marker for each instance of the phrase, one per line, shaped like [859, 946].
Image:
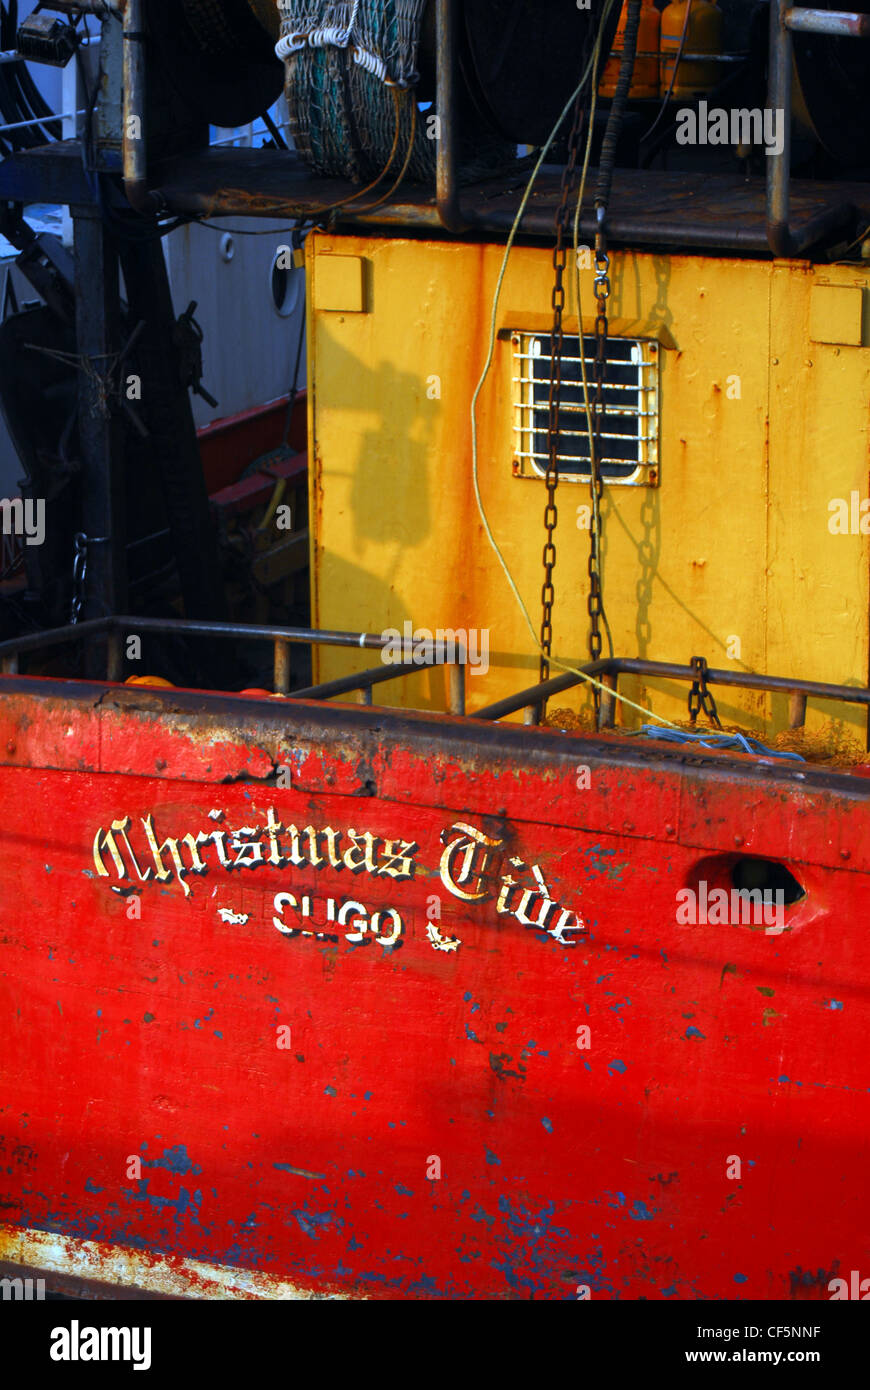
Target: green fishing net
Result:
[351, 74]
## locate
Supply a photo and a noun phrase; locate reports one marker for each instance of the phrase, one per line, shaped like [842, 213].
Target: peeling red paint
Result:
[561, 1166]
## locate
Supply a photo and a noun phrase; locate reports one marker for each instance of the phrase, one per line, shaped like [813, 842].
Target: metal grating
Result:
[630, 428]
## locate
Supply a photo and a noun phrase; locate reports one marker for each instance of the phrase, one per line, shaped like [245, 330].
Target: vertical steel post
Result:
[282, 667]
[98, 328]
[779, 99]
[135, 149]
[167, 412]
[797, 710]
[115, 657]
[457, 687]
[607, 711]
[447, 151]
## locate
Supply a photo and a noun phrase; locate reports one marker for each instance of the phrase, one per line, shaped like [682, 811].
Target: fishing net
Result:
[351, 70]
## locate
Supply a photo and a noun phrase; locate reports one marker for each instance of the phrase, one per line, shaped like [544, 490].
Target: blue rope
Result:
[728, 743]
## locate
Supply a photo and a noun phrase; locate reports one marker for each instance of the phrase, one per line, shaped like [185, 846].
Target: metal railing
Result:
[532, 700]
[452, 655]
[115, 629]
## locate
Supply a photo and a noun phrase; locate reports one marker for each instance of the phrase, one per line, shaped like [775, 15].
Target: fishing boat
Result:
[449, 882]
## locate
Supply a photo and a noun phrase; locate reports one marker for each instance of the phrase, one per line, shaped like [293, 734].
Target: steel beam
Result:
[165, 407]
[98, 330]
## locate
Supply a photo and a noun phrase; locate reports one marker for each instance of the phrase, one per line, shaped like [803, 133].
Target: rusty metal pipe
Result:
[535, 696]
[622, 229]
[56, 636]
[841, 24]
[747, 680]
[346, 685]
[247, 632]
[447, 154]
[135, 146]
[52, 637]
[607, 714]
[457, 688]
[115, 659]
[282, 667]
[666, 670]
[779, 237]
[797, 711]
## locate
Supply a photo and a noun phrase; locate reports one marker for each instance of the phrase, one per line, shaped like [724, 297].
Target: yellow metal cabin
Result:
[741, 540]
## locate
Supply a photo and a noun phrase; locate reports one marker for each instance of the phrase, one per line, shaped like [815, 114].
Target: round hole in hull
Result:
[768, 875]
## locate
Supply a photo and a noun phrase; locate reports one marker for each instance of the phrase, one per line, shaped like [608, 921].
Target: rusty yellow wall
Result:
[733, 544]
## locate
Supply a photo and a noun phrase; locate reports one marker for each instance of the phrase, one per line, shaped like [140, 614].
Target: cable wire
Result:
[596, 517]
[545, 149]
[667, 96]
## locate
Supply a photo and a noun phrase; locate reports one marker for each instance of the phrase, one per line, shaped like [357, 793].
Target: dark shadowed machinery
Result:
[477, 912]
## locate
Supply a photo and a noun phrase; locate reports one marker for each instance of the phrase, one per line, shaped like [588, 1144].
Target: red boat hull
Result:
[421, 1095]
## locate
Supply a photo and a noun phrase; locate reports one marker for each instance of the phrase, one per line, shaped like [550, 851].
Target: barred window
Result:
[630, 427]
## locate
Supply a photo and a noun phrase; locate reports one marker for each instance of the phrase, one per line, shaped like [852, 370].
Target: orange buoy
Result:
[703, 35]
[149, 680]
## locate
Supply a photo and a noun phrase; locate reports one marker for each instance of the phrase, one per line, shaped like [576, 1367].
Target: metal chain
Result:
[560, 260]
[700, 698]
[80, 569]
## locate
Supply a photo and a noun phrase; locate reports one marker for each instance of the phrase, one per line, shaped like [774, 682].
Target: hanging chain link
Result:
[560, 260]
[80, 569]
[700, 698]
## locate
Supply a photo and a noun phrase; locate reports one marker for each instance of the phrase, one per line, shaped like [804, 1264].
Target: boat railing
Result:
[111, 633]
[115, 628]
[532, 700]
